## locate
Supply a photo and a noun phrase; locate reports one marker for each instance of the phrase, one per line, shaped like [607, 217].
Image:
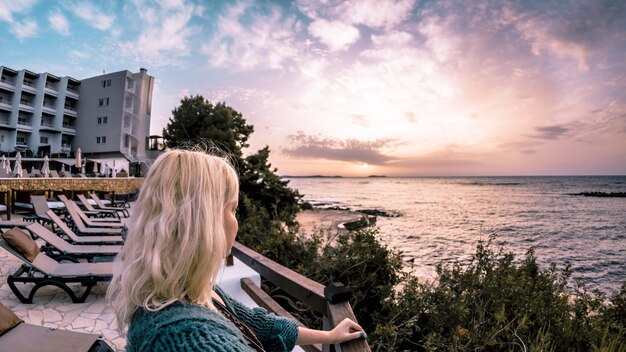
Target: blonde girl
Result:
[164, 285]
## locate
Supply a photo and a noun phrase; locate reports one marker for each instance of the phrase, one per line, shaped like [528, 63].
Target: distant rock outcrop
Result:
[600, 194]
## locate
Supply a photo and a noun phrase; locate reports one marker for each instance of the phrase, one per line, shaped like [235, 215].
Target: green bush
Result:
[492, 303]
[496, 304]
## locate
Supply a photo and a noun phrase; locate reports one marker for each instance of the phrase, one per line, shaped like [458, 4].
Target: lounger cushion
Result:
[22, 242]
[8, 320]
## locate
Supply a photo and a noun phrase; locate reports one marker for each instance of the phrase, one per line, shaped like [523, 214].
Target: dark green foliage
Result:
[260, 183]
[197, 121]
[494, 304]
[359, 261]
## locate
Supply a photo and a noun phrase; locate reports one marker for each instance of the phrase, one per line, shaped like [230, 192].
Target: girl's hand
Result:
[346, 330]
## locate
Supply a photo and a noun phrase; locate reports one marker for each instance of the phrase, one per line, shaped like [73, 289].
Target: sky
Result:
[364, 87]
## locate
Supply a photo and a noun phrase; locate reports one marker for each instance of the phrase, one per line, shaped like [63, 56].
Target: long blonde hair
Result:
[176, 240]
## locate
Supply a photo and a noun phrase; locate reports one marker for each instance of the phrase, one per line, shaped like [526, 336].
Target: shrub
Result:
[496, 304]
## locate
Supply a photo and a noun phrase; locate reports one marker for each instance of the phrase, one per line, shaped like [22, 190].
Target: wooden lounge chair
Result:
[19, 336]
[40, 207]
[66, 232]
[101, 206]
[45, 271]
[60, 249]
[82, 229]
[89, 207]
[91, 222]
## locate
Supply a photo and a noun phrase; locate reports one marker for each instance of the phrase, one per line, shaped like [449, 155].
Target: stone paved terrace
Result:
[53, 308]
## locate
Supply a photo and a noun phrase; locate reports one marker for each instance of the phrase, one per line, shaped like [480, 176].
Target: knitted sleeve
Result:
[275, 333]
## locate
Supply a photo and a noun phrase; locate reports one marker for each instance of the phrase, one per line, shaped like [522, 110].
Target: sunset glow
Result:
[365, 87]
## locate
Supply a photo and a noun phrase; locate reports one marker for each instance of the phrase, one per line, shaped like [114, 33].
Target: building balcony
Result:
[49, 127]
[66, 148]
[26, 106]
[29, 87]
[51, 89]
[5, 104]
[49, 108]
[68, 110]
[24, 128]
[71, 92]
[5, 124]
[7, 85]
[68, 129]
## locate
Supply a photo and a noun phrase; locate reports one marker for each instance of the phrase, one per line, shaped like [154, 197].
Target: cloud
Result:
[350, 150]
[550, 132]
[360, 120]
[11, 8]
[25, 29]
[92, 15]
[574, 28]
[371, 13]
[164, 32]
[247, 38]
[59, 23]
[335, 35]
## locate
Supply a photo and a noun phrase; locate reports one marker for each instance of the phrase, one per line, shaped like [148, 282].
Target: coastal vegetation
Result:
[496, 302]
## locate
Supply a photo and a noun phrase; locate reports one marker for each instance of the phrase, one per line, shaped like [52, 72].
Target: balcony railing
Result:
[301, 288]
[72, 91]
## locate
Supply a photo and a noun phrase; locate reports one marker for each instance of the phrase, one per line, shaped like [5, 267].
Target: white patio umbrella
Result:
[32, 171]
[17, 169]
[4, 163]
[105, 169]
[45, 169]
[95, 168]
[82, 167]
[62, 169]
[79, 159]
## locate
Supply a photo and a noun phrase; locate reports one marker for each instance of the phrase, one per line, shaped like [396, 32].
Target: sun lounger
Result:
[101, 206]
[18, 336]
[89, 207]
[66, 232]
[40, 206]
[60, 249]
[96, 215]
[73, 208]
[45, 271]
[82, 229]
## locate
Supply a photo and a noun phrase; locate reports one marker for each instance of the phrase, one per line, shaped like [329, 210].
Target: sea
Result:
[442, 219]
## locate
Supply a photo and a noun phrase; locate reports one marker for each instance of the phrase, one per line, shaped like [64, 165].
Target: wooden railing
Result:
[301, 288]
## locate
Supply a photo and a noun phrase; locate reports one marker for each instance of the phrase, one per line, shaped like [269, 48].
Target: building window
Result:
[102, 120]
[43, 140]
[106, 83]
[103, 101]
[20, 140]
[101, 140]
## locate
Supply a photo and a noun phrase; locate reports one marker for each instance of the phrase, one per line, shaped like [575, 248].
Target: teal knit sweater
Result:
[191, 327]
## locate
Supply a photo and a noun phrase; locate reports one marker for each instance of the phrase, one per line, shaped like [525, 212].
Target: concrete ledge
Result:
[117, 185]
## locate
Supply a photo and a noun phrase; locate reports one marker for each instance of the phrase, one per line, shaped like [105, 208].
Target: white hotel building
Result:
[107, 116]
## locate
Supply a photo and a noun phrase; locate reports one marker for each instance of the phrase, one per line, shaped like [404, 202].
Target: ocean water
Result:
[443, 218]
